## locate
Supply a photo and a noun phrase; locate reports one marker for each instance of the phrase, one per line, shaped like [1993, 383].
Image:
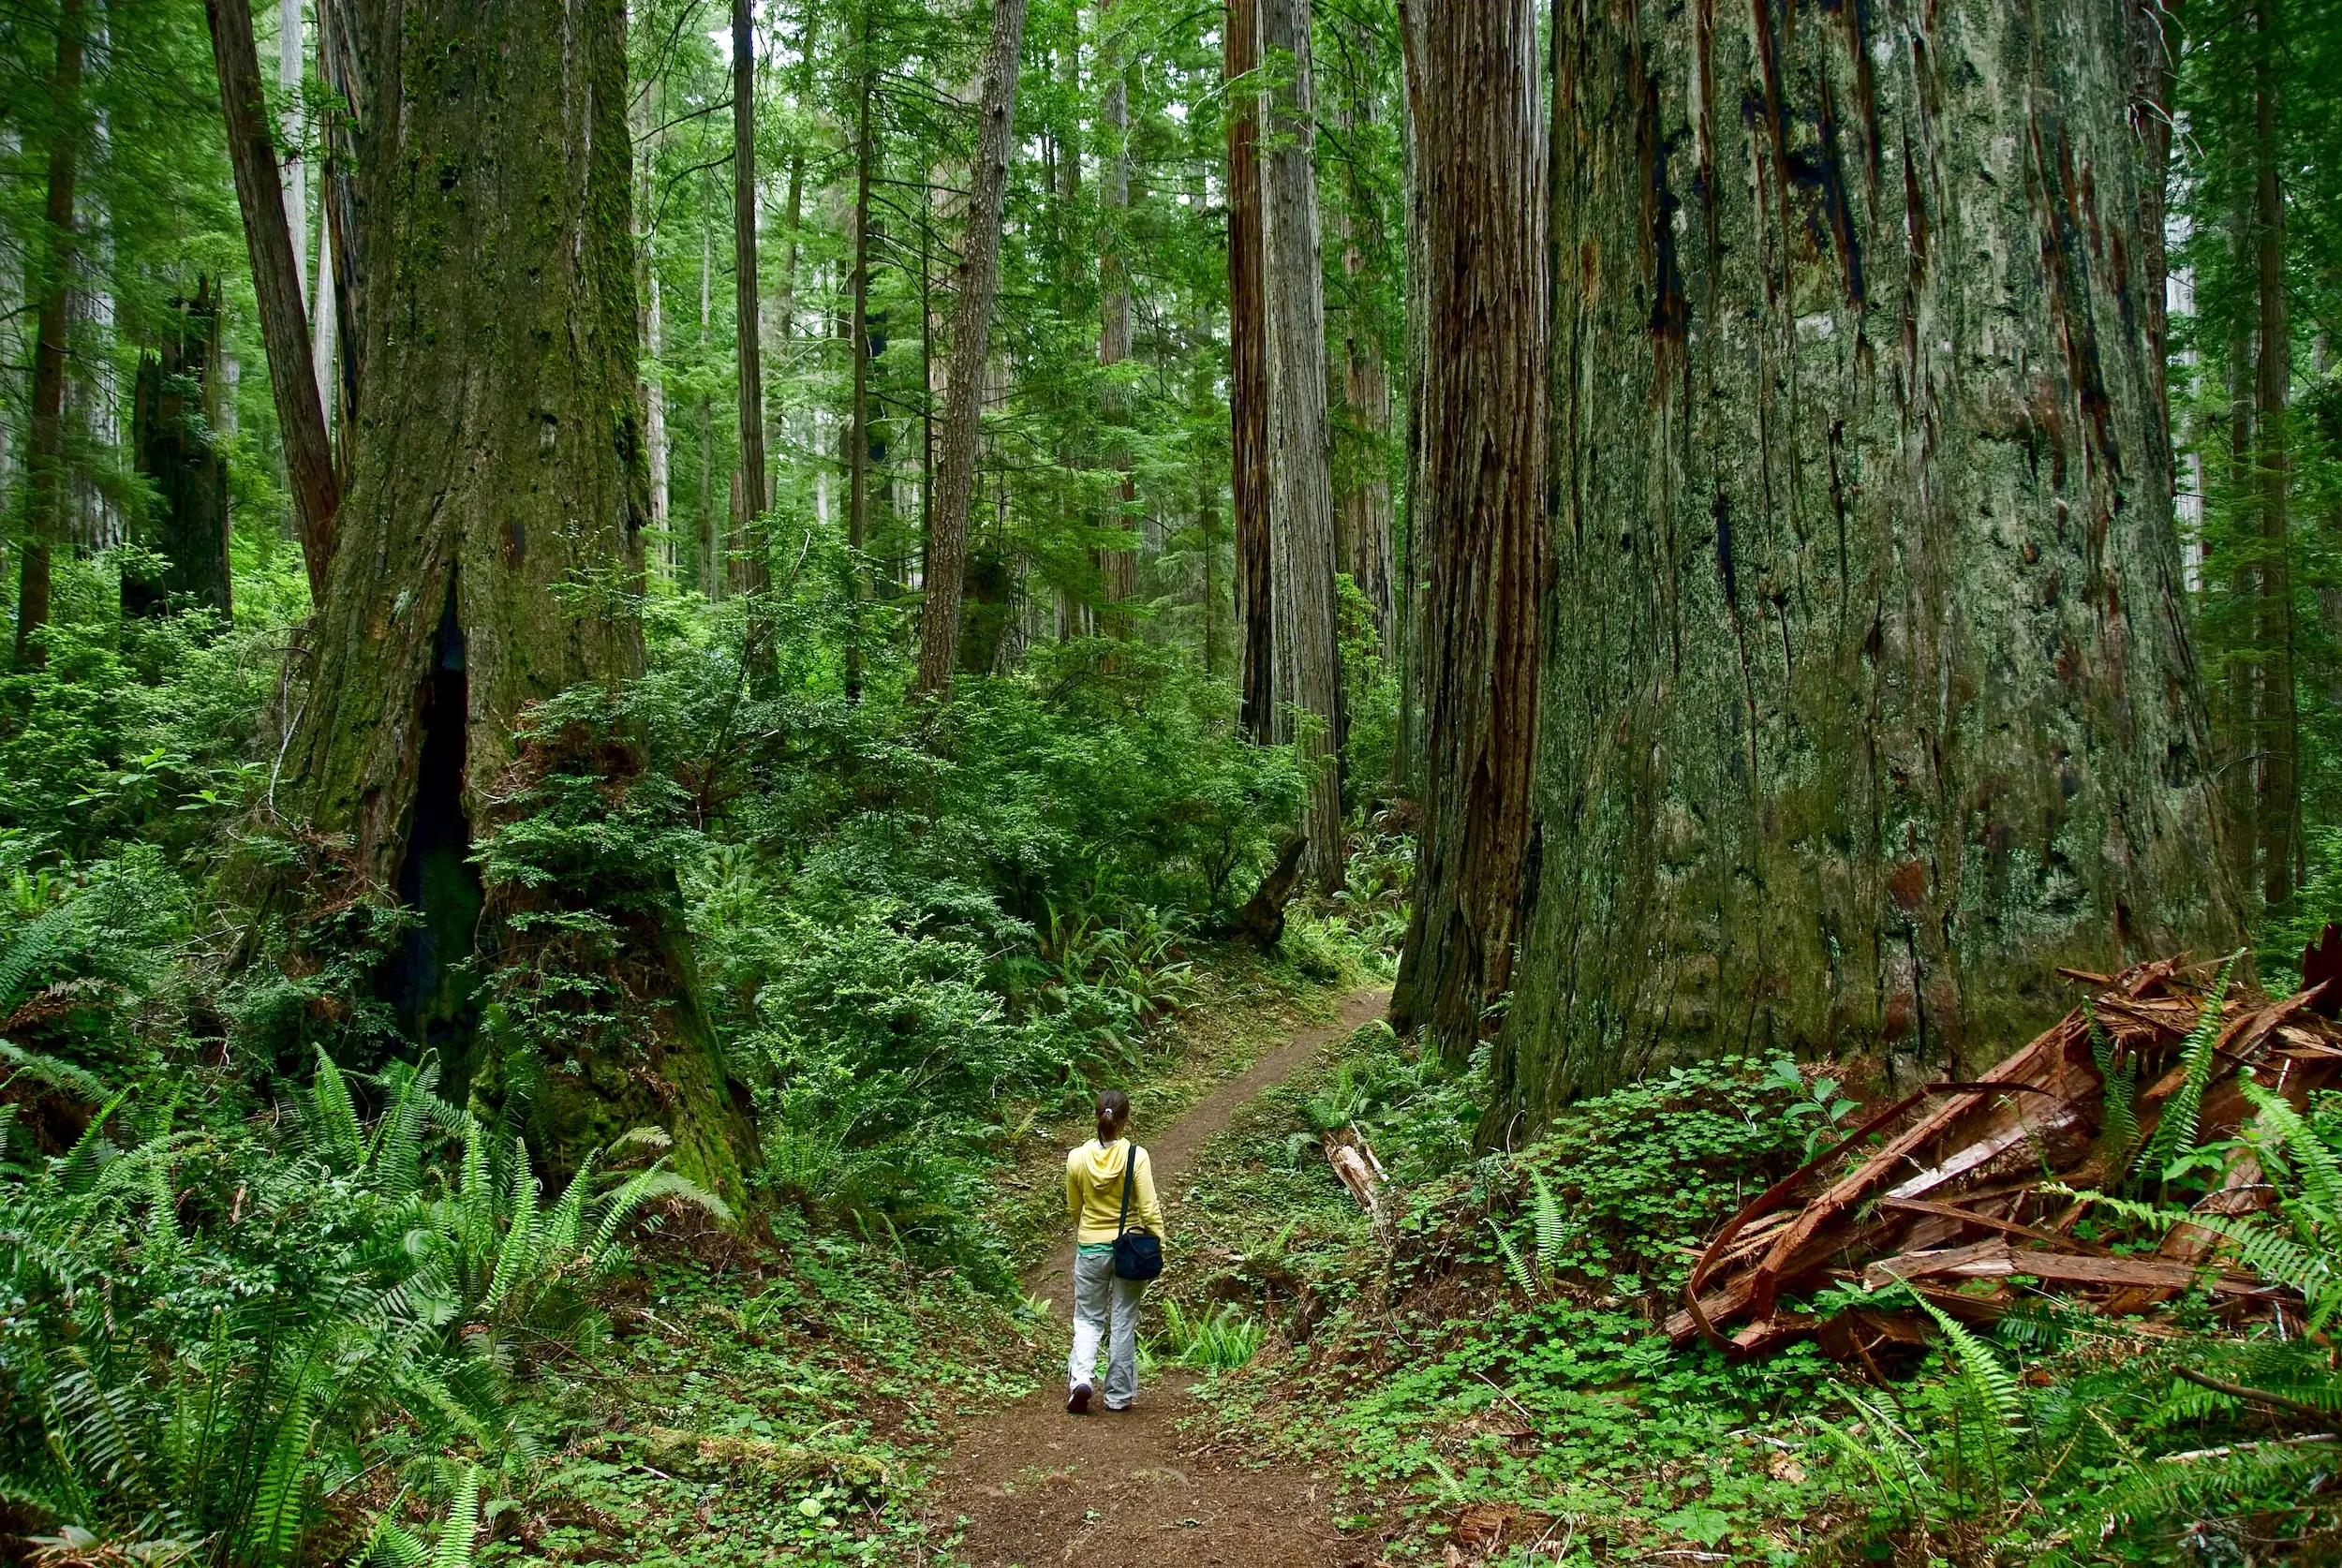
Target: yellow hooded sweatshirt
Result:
[1093, 1191]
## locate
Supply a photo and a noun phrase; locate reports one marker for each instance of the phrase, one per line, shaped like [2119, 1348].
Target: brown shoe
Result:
[1077, 1402]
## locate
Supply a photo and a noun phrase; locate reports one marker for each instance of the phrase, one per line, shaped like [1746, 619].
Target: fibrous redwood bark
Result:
[1306, 653]
[1869, 698]
[977, 286]
[1248, 375]
[276, 284]
[490, 550]
[48, 278]
[1479, 524]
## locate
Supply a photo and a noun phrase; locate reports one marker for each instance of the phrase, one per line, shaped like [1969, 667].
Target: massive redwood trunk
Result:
[1868, 694]
[489, 556]
[1248, 375]
[1478, 524]
[978, 287]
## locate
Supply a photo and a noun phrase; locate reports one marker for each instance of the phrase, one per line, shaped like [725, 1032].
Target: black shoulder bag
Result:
[1137, 1253]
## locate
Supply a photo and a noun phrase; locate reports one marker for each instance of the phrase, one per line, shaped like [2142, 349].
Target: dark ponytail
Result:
[1114, 1109]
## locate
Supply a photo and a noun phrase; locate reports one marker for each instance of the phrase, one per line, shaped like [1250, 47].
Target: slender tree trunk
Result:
[322, 342]
[749, 573]
[1362, 541]
[2155, 32]
[47, 280]
[1247, 376]
[711, 551]
[1118, 568]
[974, 291]
[276, 281]
[1407, 761]
[858, 431]
[2279, 813]
[1202, 396]
[1480, 519]
[1307, 656]
[2237, 684]
[171, 426]
[288, 64]
[491, 477]
[338, 306]
[655, 429]
[1867, 696]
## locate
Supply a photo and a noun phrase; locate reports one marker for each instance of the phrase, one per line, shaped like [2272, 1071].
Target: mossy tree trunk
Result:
[490, 552]
[1868, 693]
[174, 413]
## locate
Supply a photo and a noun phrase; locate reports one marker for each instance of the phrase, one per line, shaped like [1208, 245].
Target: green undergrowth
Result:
[777, 1404]
[1484, 1373]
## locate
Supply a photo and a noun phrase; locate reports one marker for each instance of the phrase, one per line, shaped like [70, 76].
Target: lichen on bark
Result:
[1868, 699]
[492, 527]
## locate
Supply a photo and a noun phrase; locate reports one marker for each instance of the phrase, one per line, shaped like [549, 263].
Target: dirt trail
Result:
[1038, 1486]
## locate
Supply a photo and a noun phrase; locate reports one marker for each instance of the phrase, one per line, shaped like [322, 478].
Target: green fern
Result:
[63, 1076]
[1549, 1227]
[518, 1256]
[461, 1532]
[281, 1500]
[334, 1119]
[2290, 1144]
[2175, 1132]
[25, 952]
[2120, 1094]
[1515, 1264]
[392, 1544]
[2182, 1485]
[2259, 1246]
[1989, 1402]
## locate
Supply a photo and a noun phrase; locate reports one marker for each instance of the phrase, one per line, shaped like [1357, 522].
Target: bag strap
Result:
[1130, 1173]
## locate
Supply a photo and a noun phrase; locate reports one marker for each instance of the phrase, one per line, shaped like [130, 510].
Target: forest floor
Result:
[1028, 1484]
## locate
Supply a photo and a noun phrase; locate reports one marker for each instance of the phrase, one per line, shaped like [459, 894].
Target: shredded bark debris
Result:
[1954, 1189]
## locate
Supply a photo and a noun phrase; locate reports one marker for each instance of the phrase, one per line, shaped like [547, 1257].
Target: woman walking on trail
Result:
[1110, 1188]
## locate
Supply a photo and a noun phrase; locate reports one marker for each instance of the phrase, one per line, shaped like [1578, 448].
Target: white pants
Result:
[1104, 1307]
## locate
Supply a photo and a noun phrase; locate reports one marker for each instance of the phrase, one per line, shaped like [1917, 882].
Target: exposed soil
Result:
[1038, 1486]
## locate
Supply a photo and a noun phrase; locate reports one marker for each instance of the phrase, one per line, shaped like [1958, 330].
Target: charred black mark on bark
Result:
[1671, 312]
[1914, 227]
[427, 984]
[1837, 508]
[2122, 288]
[1857, 16]
[1720, 514]
[1775, 116]
[2065, 263]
